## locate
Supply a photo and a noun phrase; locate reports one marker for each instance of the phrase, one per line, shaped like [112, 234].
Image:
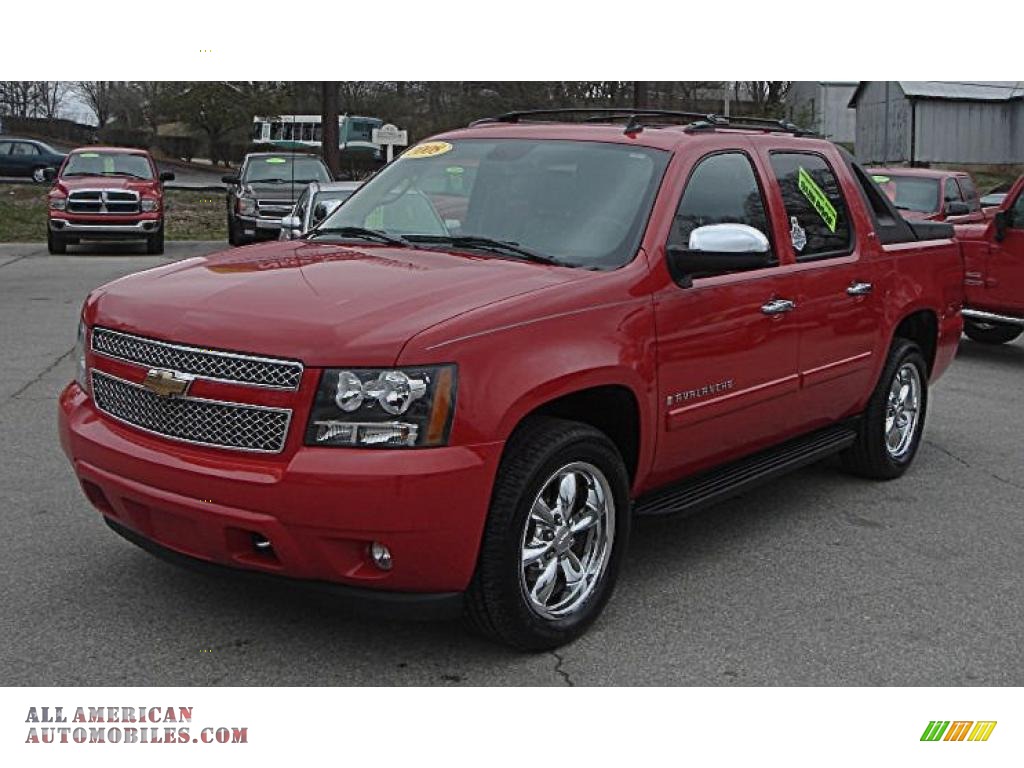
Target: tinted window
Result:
[951, 193]
[1017, 213]
[23, 148]
[721, 190]
[5, 147]
[969, 192]
[818, 218]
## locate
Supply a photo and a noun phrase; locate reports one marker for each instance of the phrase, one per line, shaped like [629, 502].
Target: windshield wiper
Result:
[488, 244]
[360, 233]
[123, 173]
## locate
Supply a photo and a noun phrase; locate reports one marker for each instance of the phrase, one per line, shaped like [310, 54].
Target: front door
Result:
[1004, 278]
[727, 344]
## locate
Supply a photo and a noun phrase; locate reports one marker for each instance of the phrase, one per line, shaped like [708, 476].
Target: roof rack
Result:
[636, 122]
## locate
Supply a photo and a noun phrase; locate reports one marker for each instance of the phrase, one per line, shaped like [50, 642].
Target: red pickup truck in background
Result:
[932, 195]
[106, 193]
[463, 412]
[994, 272]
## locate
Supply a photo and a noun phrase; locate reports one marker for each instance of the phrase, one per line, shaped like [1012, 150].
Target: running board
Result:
[747, 473]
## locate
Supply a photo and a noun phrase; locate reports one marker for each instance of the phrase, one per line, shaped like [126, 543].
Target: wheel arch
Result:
[922, 327]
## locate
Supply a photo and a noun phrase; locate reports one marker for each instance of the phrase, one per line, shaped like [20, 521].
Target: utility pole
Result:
[639, 94]
[329, 125]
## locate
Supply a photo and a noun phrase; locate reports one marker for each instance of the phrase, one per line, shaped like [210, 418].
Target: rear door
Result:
[727, 361]
[24, 157]
[840, 308]
[5, 158]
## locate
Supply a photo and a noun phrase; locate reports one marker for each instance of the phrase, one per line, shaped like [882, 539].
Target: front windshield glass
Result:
[911, 193]
[279, 168]
[580, 203]
[108, 164]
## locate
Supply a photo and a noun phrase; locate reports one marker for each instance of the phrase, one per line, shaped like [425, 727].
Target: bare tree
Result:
[767, 97]
[50, 95]
[99, 97]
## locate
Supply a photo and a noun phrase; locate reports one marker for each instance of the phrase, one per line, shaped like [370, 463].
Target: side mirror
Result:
[1002, 223]
[325, 209]
[231, 179]
[166, 176]
[291, 222]
[717, 249]
[957, 209]
[49, 174]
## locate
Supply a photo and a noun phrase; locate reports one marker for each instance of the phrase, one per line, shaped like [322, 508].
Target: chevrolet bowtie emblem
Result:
[166, 383]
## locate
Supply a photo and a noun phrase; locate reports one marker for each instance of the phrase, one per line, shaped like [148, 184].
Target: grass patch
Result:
[191, 215]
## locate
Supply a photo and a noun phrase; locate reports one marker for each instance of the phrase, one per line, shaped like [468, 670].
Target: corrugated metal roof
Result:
[978, 90]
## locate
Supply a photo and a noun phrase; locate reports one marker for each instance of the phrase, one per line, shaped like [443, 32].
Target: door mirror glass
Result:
[49, 174]
[1002, 220]
[957, 209]
[166, 176]
[717, 249]
[324, 209]
[231, 178]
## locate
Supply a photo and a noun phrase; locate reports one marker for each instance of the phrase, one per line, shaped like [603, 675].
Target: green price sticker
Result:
[818, 200]
[89, 154]
[276, 160]
[882, 179]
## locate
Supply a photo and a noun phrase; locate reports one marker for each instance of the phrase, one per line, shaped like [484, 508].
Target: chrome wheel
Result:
[903, 411]
[37, 176]
[567, 540]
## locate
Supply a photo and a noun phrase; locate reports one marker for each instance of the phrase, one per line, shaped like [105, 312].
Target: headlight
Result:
[81, 371]
[148, 205]
[246, 206]
[58, 203]
[372, 407]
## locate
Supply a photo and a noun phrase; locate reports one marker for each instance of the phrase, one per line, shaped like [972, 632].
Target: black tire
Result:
[155, 243]
[232, 232]
[869, 456]
[496, 603]
[991, 333]
[56, 244]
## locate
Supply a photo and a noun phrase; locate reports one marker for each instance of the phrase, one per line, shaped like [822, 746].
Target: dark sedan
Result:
[27, 157]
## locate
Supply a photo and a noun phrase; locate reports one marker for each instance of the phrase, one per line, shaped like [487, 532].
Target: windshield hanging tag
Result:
[797, 234]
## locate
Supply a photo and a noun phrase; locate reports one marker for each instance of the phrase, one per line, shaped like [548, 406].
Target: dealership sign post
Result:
[389, 136]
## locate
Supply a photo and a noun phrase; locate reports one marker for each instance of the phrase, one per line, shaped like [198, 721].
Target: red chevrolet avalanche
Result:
[454, 395]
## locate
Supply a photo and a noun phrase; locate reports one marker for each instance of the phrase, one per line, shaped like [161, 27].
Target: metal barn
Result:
[918, 122]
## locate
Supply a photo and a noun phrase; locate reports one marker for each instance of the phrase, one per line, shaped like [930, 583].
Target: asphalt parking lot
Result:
[818, 579]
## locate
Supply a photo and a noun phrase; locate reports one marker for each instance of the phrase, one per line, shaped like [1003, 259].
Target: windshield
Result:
[910, 193]
[580, 203]
[285, 168]
[108, 164]
[334, 194]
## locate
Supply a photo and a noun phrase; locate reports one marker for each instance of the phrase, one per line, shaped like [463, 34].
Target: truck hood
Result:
[286, 191]
[324, 304]
[71, 183]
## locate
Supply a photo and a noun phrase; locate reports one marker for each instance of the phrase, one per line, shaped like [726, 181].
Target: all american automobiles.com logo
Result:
[958, 730]
[125, 725]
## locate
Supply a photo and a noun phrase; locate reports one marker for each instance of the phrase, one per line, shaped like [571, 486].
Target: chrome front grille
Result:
[274, 208]
[190, 419]
[103, 201]
[204, 363]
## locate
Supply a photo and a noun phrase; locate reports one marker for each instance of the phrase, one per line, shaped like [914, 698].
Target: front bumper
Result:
[251, 224]
[105, 229]
[320, 508]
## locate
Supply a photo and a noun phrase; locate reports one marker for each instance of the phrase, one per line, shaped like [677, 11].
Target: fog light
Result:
[381, 556]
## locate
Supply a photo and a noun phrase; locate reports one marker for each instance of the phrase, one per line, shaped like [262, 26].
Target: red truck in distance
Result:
[106, 193]
[994, 272]
[931, 195]
[462, 413]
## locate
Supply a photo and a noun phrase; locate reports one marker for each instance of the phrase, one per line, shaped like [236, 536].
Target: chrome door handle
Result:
[778, 306]
[859, 289]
